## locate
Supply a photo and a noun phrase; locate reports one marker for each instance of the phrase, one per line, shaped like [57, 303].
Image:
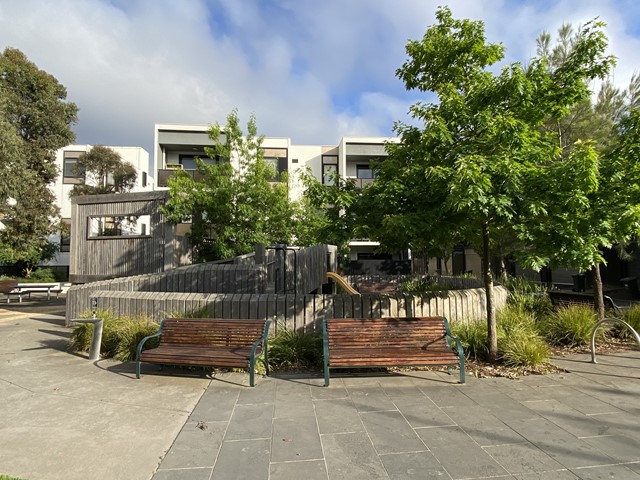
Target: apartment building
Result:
[66, 159]
[177, 145]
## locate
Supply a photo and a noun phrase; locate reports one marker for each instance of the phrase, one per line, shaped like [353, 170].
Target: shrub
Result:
[523, 350]
[294, 349]
[41, 275]
[8, 477]
[519, 342]
[527, 295]
[473, 337]
[632, 317]
[571, 326]
[120, 335]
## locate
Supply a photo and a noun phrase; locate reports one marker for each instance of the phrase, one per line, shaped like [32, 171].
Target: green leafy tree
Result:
[330, 213]
[481, 145]
[104, 171]
[35, 121]
[593, 206]
[233, 203]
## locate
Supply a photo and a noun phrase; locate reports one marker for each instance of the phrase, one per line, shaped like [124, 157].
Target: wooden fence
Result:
[296, 311]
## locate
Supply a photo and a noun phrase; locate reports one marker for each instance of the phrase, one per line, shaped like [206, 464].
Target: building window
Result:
[119, 226]
[329, 169]
[143, 179]
[365, 171]
[71, 172]
[278, 158]
[188, 162]
[65, 235]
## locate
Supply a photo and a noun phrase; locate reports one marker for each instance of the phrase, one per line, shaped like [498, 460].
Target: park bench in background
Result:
[390, 342]
[208, 342]
[563, 298]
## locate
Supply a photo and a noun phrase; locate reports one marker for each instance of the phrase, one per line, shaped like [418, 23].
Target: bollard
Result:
[96, 340]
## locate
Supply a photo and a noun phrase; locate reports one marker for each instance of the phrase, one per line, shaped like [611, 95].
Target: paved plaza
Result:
[64, 417]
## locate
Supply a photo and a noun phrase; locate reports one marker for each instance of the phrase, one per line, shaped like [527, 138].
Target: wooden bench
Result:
[209, 342]
[390, 342]
[564, 299]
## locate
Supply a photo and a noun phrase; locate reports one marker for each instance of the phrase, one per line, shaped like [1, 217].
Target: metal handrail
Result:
[608, 320]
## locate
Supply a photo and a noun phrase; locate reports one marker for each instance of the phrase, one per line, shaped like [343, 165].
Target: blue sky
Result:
[311, 70]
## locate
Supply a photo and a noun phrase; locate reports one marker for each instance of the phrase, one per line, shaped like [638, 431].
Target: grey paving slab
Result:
[565, 448]
[370, 399]
[422, 412]
[415, 465]
[555, 475]
[618, 472]
[337, 416]
[443, 441]
[450, 396]
[522, 458]
[197, 445]
[250, 422]
[351, 456]
[483, 427]
[568, 418]
[295, 439]
[307, 470]
[390, 432]
[620, 448]
[242, 460]
[263, 392]
[184, 474]
[293, 399]
[216, 404]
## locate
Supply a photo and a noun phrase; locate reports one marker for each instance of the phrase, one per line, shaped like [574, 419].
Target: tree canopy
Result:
[104, 171]
[467, 170]
[35, 121]
[234, 201]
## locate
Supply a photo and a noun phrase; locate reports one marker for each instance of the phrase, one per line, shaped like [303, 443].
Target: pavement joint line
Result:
[297, 461]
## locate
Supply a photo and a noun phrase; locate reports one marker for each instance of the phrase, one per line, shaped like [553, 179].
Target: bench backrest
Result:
[560, 299]
[211, 331]
[396, 331]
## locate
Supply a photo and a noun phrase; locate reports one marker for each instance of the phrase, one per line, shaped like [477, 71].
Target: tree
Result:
[467, 171]
[330, 213]
[582, 218]
[104, 172]
[35, 121]
[233, 201]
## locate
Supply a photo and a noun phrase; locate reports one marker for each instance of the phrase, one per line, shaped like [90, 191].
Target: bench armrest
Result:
[142, 342]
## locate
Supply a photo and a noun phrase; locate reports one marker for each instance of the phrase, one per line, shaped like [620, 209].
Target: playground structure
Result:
[343, 283]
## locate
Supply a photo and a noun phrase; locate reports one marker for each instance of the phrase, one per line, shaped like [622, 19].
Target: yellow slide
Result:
[350, 290]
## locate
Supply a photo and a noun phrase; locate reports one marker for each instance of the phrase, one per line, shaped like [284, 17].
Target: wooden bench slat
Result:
[207, 342]
[373, 342]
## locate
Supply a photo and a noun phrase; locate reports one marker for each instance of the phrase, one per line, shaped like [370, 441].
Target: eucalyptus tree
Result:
[35, 121]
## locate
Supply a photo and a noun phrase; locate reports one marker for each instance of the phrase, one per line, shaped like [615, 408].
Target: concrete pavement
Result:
[62, 416]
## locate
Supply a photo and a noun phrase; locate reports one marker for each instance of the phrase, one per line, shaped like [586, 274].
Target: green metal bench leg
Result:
[462, 376]
[252, 364]
[138, 369]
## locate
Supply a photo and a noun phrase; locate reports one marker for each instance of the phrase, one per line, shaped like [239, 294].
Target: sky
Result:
[311, 70]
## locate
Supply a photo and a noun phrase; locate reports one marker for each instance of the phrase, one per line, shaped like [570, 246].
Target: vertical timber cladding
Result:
[136, 245]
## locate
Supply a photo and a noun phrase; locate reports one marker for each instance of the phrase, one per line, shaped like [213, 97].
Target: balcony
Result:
[362, 182]
[166, 174]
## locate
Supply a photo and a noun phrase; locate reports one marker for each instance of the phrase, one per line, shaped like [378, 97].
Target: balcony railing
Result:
[362, 182]
[164, 175]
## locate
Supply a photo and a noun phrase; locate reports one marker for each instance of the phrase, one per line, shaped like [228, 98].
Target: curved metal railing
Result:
[609, 320]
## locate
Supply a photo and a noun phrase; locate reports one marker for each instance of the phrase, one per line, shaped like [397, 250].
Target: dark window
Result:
[71, 173]
[365, 171]
[143, 179]
[374, 256]
[65, 235]
[188, 162]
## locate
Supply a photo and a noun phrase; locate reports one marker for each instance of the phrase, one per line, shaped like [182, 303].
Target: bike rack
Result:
[609, 320]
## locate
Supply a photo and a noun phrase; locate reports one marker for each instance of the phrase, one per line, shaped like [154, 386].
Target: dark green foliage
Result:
[291, 349]
[41, 275]
[632, 317]
[528, 296]
[473, 337]
[571, 326]
[104, 172]
[35, 121]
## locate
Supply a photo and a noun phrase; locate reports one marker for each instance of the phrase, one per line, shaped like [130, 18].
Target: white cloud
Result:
[312, 71]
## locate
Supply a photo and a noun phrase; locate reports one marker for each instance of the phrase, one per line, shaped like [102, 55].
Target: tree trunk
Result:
[492, 330]
[598, 292]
